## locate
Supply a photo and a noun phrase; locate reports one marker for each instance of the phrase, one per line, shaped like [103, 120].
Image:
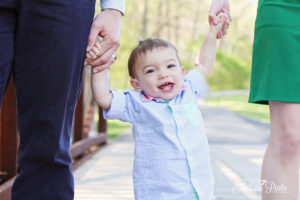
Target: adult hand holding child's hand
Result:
[221, 24]
[218, 6]
[107, 25]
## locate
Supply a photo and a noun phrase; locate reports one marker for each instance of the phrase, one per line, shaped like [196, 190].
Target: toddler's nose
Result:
[163, 74]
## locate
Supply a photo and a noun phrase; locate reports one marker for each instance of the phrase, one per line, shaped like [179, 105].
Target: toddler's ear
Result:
[182, 69]
[135, 84]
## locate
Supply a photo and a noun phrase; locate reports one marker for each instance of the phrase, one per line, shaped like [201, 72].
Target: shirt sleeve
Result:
[120, 107]
[197, 82]
[113, 4]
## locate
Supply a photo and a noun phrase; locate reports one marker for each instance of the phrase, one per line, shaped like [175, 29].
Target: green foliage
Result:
[240, 105]
[189, 54]
[229, 73]
[115, 128]
[184, 23]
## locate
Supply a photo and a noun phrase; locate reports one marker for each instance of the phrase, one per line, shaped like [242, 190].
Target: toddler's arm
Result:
[100, 79]
[205, 59]
[101, 88]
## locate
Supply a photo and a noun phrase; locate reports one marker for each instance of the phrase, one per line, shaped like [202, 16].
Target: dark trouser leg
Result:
[7, 30]
[51, 39]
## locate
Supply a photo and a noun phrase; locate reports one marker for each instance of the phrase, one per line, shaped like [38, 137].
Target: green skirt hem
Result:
[265, 101]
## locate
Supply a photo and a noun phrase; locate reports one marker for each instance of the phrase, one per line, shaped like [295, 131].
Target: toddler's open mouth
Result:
[166, 87]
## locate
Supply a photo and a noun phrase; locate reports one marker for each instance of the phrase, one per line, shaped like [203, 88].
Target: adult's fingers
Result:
[225, 20]
[100, 68]
[222, 25]
[225, 28]
[216, 7]
[94, 32]
[105, 57]
[94, 52]
[108, 26]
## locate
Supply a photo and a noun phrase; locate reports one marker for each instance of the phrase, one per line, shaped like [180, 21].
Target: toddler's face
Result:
[158, 74]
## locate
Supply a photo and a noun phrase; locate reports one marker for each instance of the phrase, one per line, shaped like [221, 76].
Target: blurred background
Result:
[185, 23]
[237, 139]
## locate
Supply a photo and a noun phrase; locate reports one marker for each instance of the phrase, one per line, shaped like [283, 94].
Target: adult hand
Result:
[216, 7]
[107, 25]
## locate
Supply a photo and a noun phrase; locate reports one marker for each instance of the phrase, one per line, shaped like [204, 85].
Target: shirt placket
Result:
[179, 117]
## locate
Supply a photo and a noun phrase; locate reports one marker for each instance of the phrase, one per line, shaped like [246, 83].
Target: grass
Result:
[229, 73]
[115, 128]
[240, 105]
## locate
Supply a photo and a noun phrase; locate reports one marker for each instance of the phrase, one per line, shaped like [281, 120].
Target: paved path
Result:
[237, 145]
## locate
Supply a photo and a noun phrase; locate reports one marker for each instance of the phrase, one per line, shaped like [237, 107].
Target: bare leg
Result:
[281, 160]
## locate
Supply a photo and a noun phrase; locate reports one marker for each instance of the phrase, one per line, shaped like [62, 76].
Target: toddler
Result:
[171, 156]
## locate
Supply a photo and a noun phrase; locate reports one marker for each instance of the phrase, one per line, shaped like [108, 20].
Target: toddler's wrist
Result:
[99, 70]
[213, 31]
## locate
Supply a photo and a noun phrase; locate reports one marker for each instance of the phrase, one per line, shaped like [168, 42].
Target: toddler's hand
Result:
[220, 26]
[93, 54]
[94, 51]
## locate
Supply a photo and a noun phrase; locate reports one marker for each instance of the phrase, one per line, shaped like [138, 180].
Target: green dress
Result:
[275, 72]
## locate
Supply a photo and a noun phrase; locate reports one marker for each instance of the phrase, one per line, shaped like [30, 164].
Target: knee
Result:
[289, 145]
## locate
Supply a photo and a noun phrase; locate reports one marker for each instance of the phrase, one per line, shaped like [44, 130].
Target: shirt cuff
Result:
[113, 4]
[197, 81]
[117, 107]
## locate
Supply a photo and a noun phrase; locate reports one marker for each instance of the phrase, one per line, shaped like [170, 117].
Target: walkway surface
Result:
[237, 145]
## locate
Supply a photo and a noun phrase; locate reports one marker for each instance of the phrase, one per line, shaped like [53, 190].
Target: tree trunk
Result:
[145, 20]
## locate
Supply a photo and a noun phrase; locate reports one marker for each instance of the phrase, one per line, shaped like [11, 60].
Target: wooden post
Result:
[8, 134]
[78, 121]
[102, 124]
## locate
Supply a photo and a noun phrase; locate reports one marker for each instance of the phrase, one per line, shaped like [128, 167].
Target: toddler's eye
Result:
[171, 66]
[149, 71]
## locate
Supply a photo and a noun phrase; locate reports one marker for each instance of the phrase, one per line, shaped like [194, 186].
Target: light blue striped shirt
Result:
[171, 156]
[113, 4]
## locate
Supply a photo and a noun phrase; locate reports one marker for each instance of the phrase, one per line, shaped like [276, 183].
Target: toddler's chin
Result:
[168, 97]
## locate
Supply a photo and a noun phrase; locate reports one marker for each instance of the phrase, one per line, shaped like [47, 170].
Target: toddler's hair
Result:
[143, 47]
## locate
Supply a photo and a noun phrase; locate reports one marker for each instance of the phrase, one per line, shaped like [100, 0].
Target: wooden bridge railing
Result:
[81, 141]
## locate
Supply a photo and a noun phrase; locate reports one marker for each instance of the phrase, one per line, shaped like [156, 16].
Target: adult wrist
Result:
[117, 12]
